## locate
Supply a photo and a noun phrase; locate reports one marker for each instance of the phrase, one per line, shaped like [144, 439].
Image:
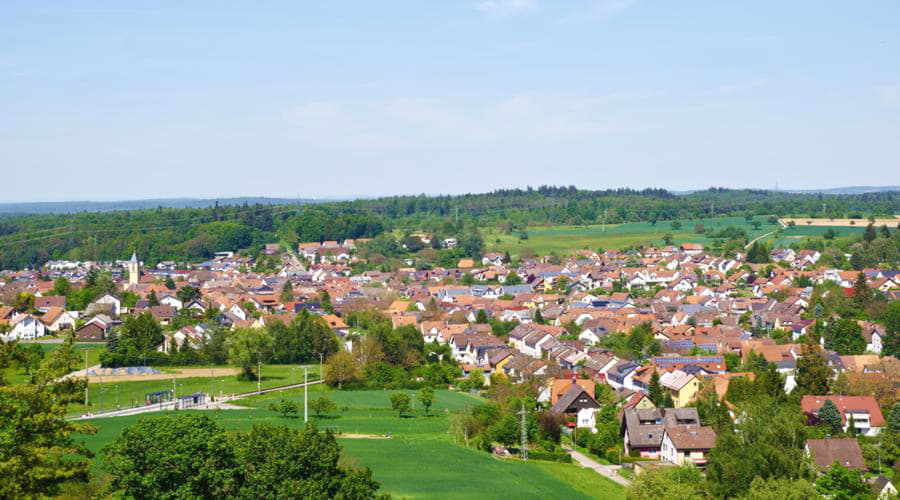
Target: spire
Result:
[134, 256]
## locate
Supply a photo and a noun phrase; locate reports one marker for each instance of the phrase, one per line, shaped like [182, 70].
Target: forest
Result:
[192, 234]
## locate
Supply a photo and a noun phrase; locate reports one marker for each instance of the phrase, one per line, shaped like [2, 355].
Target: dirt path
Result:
[361, 436]
[754, 240]
[180, 373]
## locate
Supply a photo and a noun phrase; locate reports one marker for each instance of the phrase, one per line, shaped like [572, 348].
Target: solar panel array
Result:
[686, 360]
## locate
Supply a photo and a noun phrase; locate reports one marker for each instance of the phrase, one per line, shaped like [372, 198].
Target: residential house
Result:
[860, 411]
[578, 404]
[25, 327]
[845, 451]
[685, 445]
[643, 429]
[57, 318]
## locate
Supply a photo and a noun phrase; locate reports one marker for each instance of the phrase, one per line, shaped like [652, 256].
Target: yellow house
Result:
[682, 386]
[498, 361]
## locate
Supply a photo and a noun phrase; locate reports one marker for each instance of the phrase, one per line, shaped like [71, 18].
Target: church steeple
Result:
[134, 269]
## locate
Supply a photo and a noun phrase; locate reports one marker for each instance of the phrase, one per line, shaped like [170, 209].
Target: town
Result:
[630, 363]
[469, 249]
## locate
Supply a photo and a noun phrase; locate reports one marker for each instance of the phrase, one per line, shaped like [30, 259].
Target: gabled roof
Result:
[692, 438]
[845, 451]
[811, 404]
[576, 392]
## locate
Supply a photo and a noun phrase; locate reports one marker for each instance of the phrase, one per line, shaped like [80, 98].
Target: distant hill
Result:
[69, 207]
[837, 190]
[847, 190]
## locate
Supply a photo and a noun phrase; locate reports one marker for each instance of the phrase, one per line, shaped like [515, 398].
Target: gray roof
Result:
[649, 434]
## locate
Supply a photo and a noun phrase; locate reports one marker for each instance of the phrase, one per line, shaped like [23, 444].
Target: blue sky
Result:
[123, 100]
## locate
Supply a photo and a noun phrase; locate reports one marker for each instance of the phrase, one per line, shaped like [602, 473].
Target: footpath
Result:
[609, 471]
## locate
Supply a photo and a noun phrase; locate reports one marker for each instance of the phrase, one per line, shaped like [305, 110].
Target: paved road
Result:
[609, 471]
[220, 403]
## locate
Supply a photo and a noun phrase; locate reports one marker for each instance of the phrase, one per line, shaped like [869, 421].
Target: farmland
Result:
[562, 240]
[543, 240]
[419, 460]
[890, 222]
[801, 232]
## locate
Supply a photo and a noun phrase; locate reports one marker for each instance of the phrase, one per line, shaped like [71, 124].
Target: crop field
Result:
[418, 461]
[562, 240]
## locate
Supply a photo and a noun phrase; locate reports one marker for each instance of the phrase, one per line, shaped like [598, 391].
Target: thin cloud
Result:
[890, 94]
[507, 7]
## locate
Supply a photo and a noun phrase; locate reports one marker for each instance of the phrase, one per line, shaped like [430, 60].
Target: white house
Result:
[25, 327]
[172, 301]
[683, 445]
[112, 301]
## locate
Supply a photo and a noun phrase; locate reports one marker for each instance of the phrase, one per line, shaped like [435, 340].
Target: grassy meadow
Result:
[419, 461]
[17, 375]
[564, 239]
[802, 232]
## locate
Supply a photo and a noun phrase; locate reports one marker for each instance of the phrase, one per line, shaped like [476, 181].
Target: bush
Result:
[583, 439]
[550, 456]
[613, 455]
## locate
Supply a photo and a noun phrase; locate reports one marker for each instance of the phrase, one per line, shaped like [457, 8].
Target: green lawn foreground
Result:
[419, 461]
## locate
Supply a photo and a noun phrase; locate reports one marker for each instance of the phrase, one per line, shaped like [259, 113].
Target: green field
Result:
[419, 461]
[17, 375]
[563, 239]
[800, 232]
[133, 392]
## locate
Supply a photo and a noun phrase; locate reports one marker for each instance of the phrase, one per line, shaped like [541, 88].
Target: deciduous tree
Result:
[342, 368]
[426, 396]
[400, 403]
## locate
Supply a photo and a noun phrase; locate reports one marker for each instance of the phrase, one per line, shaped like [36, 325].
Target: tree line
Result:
[196, 233]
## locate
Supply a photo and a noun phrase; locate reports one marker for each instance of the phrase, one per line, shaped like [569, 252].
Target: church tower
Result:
[134, 270]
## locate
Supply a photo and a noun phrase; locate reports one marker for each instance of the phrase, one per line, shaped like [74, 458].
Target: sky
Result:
[129, 100]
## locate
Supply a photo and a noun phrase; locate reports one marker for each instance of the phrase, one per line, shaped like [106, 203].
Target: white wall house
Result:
[25, 327]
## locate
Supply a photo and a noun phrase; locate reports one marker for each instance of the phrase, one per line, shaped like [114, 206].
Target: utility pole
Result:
[101, 393]
[86, 376]
[321, 369]
[258, 376]
[211, 382]
[524, 440]
[305, 397]
[174, 394]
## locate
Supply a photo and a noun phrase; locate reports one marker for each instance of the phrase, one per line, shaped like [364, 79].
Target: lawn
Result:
[18, 375]
[419, 460]
[563, 239]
